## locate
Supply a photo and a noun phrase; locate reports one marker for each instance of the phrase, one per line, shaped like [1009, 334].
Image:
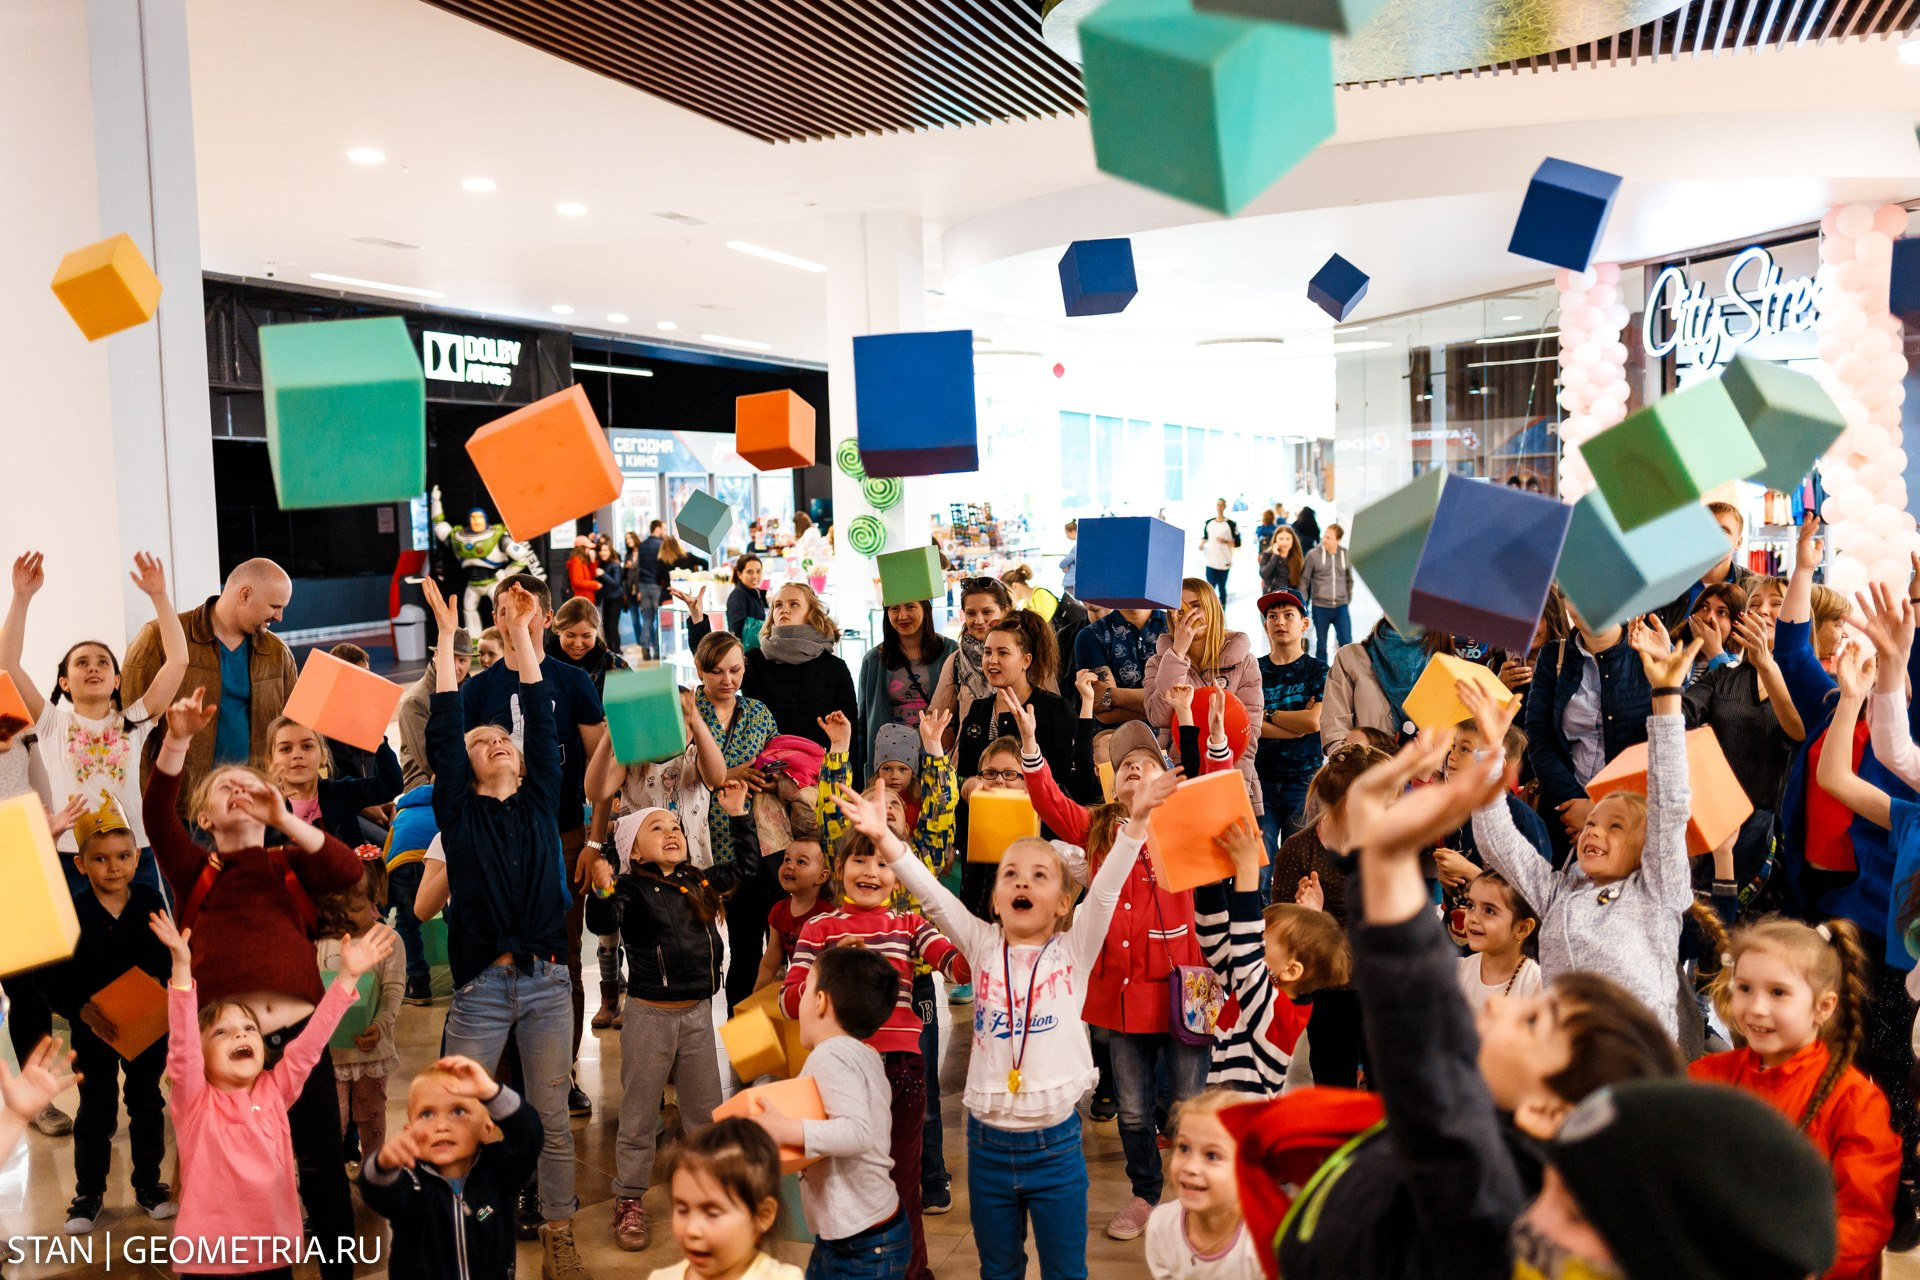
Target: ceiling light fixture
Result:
[666, 326]
[382, 287]
[562, 309]
[608, 368]
[1352, 328]
[1510, 319]
[367, 155]
[1910, 51]
[1518, 337]
[479, 186]
[570, 209]
[616, 318]
[774, 255]
[721, 339]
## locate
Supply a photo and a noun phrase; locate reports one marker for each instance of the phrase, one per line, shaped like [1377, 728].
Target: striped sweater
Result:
[1252, 1054]
[903, 937]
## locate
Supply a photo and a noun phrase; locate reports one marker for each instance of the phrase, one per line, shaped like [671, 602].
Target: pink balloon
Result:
[1852, 277]
[1574, 375]
[1872, 247]
[1866, 547]
[1836, 248]
[1852, 368]
[1890, 220]
[1572, 335]
[1830, 222]
[1603, 296]
[1891, 366]
[1571, 298]
[1617, 354]
[1832, 346]
[1855, 220]
[1848, 577]
[1607, 272]
[1566, 280]
[1887, 416]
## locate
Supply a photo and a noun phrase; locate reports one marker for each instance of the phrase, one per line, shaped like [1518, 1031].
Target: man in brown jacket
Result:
[247, 671]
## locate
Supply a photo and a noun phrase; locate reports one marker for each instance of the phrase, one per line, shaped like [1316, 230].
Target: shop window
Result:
[1076, 460]
[1174, 457]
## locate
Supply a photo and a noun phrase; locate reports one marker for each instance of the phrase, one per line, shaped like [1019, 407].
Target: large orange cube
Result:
[546, 464]
[1182, 831]
[1719, 803]
[773, 429]
[799, 1098]
[13, 708]
[341, 701]
[995, 819]
[136, 1007]
[37, 923]
[107, 287]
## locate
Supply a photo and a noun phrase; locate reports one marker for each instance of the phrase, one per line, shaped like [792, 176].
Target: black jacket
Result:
[672, 953]
[1626, 700]
[342, 799]
[464, 1235]
[108, 947]
[800, 693]
[596, 662]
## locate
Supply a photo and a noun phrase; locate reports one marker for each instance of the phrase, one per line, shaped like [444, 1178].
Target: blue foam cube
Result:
[913, 403]
[1903, 293]
[1096, 277]
[704, 522]
[1488, 563]
[1387, 536]
[1337, 287]
[1130, 562]
[1564, 214]
[1610, 575]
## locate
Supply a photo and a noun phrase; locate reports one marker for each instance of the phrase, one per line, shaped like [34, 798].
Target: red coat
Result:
[581, 576]
[1852, 1132]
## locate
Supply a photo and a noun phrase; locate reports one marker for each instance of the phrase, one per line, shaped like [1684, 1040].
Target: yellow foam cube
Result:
[753, 1045]
[107, 287]
[766, 1000]
[790, 1040]
[37, 924]
[1433, 704]
[995, 819]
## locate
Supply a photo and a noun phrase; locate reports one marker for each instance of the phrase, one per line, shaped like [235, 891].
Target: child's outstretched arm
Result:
[186, 1063]
[933, 832]
[1499, 840]
[1889, 624]
[357, 956]
[45, 1075]
[836, 771]
[1091, 918]
[972, 935]
[1836, 775]
[1663, 861]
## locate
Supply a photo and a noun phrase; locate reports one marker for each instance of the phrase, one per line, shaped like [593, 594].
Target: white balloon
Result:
[1883, 522]
[1836, 248]
[1876, 395]
[1897, 394]
[1856, 414]
[1609, 272]
[1603, 296]
[1848, 577]
[1571, 400]
[1852, 276]
[1567, 280]
[1831, 511]
[1895, 460]
[1847, 320]
[1852, 368]
[1586, 355]
[1865, 547]
[1874, 343]
[1574, 375]
[1617, 353]
[1569, 299]
[1887, 416]
[1872, 440]
[1855, 220]
[1891, 365]
[1588, 317]
[1617, 316]
[1872, 247]
[1892, 569]
[1832, 346]
[1856, 502]
[1603, 373]
[1572, 335]
[1588, 279]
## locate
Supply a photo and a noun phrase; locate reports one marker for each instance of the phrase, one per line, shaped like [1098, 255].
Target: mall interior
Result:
[673, 204]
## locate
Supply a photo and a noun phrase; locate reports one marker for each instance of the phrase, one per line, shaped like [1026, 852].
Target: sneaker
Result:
[937, 1200]
[526, 1215]
[1103, 1108]
[157, 1200]
[1130, 1222]
[578, 1103]
[962, 994]
[419, 991]
[609, 1010]
[82, 1214]
[630, 1225]
[53, 1122]
[559, 1256]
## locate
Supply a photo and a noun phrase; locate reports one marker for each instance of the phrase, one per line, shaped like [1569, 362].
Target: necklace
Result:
[1201, 1250]
[1006, 967]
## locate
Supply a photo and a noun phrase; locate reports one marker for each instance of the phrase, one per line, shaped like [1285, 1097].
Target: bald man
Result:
[246, 670]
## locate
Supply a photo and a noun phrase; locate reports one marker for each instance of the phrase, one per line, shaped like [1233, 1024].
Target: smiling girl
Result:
[1497, 925]
[1202, 1235]
[300, 764]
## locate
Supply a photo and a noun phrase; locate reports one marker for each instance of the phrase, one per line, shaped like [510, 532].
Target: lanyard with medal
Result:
[1020, 1054]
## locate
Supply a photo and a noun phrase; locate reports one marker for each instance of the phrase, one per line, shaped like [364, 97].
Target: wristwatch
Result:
[596, 844]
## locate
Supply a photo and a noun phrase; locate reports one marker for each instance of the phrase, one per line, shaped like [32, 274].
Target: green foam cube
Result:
[346, 412]
[433, 941]
[1612, 575]
[359, 1015]
[1211, 109]
[1671, 453]
[1388, 537]
[1790, 416]
[704, 522]
[911, 575]
[644, 717]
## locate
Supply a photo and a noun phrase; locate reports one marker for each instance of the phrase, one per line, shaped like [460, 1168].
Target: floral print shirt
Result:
[741, 743]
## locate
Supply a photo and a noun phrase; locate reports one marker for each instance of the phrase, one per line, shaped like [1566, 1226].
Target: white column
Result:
[107, 444]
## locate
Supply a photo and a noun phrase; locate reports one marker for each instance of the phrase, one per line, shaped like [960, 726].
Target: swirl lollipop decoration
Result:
[866, 535]
[882, 494]
[846, 456]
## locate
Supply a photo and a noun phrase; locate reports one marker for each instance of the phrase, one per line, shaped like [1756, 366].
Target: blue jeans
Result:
[403, 882]
[646, 617]
[878, 1253]
[1217, 579]
[1285, 804]
[1137, 1056]
[1334, 616]
[1016, 1173]
[933, 1161]
[536, 1004]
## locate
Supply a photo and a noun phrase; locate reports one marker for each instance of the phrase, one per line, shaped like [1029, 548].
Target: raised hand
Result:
[1148, 796]
[1392, 822]
[148, 574]
[933, 730]
[29, 574]
[1086, 682]
[1666, 667]
[175, 942]
[868, 817]
[1180, 698]
[1022, 719]
[1516, 673]
[265, 804]
[403, 1150]
[733, 797]
[1217, 715]
[601, 877]
[470, 1079]
[1241, 842]
[1454, 868]
[1854, 671]
[1888, 620]
[1184, 627]
[839, 731]
[61, 820]
[445, 619]
[1809, 548]
[1492, 719]
[696, 603]
[1308, 893]
[358, 955]
[1755, 645]
[189, 715]
[44, 1076]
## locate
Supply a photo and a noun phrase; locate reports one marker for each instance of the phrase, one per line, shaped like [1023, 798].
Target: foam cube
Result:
[644, 717]
[13, 708]
[798, 1098]
[1790, 416]
[1434, 704]
[1182, 831]
[1611, 576]
[1210, 109]
[1104, 771]
[995, 819]
[1671, 453]
[1130, 562]
[341, 701]
[753, 1046]
[1488, 563]
[913, 403]
[1387, 539]
[1564, 214]
[1337, 17]
[1096, 277]
[910, 576]
[135, 1005]
[1903, 286]
[774, 429]
[1337, 287]
[546, 464]
[346, 412]
[789, 1032]
[433, 942]
[766, 999]
[37, 924]
[359, 1014]
[704, 522]
[107, 287]
[1720, 804]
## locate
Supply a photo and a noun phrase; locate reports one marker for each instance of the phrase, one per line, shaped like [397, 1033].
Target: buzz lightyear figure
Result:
[486, 554]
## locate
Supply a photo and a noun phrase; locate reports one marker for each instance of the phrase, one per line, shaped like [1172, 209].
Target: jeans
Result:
[536, 1004]
[878, 1253]
[313, 1122]
[1336, 617]
[1014, 1173]
[646, 618]
[933, 1161]
[403, 883]
[658, 1045]
[571, 843]
[100, 1066]
[1283, 817]
[1136, 1057]
[1217, 579]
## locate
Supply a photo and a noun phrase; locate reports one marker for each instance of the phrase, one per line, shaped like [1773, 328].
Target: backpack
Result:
[277, 855]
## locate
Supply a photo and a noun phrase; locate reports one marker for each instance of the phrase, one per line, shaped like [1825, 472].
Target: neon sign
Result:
[1758, 300]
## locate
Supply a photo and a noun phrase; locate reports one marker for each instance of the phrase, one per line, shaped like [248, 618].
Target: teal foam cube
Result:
[644, 717]
[910, 576]
[1670, 453]
[704, 522]
[433, 940]
[1210, 109]
[1612, 575]
[1792, 419]
[346, 410]
[1340, 17]
[1388, 537]
[360, 1014]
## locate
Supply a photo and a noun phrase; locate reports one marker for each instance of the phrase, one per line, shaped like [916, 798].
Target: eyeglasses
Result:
[1000, 775]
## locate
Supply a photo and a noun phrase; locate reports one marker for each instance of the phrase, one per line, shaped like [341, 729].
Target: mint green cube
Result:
[1388, 537]
[1612, 575]
[1671, 453]
[1789, 414]
[644, 717]
[1207, 108]
[910, 576]
[359, 1015]
[704, 522]
[346, 412]
[433, 941]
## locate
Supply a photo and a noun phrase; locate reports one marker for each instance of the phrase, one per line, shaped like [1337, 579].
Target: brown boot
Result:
[630, 1226]
[559, 1258]
[609, 1015]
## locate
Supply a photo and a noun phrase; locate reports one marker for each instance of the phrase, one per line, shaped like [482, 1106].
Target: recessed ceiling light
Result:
[721, 339]
[1510, 319]
[616, 318]
[1910, 52]
[1352, 328]
[570, 209]
[1348, 348]
[478, 186]
[562, 309]
[357, 282]
[666, 326]
[367, 155]
[774, 255]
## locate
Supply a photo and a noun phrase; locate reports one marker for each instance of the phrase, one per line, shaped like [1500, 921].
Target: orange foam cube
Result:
[136, 1005]
[798, 1098]
[1181, 832]
[546, 464]
[1433, 704]
[107, 287]
[37, 923]
[13, 708]
[753, 1046]
[766, 1000]
[341, 701]
[1720, 805]
[797, 1052]
[995, 819]
[773, 429]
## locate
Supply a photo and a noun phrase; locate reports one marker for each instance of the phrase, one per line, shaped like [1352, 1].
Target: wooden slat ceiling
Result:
[793, 70]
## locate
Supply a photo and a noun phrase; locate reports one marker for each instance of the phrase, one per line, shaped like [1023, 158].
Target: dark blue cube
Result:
[913, 397]
[1489, 559]
[1337, 287]
[1130, 562]
[1565, 214]
[1903, 294]
[1096, 277]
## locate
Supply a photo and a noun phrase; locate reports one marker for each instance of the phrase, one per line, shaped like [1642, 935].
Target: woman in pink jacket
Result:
[1198, 650]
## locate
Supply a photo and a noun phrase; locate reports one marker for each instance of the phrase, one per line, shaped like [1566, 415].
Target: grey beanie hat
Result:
[896, 743]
